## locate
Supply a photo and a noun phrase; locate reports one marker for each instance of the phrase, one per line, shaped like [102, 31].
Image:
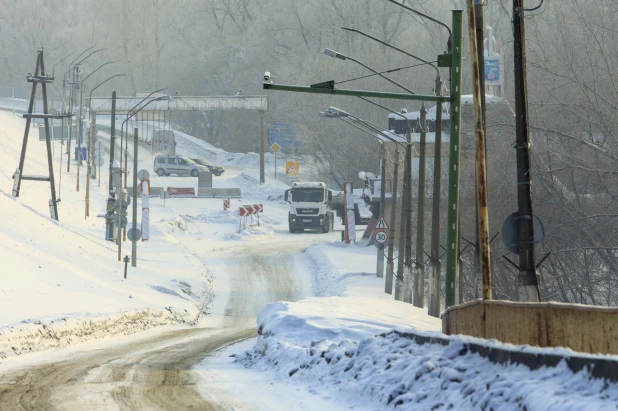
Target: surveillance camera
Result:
[267, 77]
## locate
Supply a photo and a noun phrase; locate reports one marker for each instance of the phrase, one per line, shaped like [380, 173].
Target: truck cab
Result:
[309, 207]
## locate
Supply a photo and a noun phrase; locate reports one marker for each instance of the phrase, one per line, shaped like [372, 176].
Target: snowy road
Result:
[156, 373]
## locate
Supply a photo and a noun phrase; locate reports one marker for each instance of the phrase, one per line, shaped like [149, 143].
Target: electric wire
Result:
[387, 71]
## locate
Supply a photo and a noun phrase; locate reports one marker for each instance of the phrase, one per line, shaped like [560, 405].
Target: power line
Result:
[387, 71]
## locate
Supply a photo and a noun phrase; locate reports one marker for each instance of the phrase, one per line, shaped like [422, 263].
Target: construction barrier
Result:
[178, 192]
[247, 212]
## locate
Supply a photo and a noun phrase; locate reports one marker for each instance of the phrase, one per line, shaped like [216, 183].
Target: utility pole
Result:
[262, 149]
[380, 261]
[436, 265]
[110, 187]
[419, 278]
[480, 52]
[528, 283]
[481, 165]
[405, 218]
[390, 264]
[134, 238]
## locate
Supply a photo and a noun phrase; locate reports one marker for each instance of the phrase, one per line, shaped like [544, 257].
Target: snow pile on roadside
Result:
[318, 341]
[63, 282]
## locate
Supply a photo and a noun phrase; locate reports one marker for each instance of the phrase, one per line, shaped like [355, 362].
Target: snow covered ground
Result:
[62, 284]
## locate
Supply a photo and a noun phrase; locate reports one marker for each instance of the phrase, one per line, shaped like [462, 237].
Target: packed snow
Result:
[335, 349]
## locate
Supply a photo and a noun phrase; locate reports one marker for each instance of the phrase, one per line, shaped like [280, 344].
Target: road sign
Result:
[381, 224]
[226, 203]
[292, 168]
[282, 134]
[100, 161]
[143, 174]
[120, 220]
[134, 234]
[275, 147]
[259, 208]
[510, 232]
[381, 237]
[164, 194]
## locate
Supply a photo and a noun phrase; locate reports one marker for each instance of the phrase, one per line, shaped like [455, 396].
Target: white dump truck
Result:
[310, 207]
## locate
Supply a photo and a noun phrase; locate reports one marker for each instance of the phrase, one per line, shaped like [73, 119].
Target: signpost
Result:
[381, 224]
[275, 147]
[283, 135]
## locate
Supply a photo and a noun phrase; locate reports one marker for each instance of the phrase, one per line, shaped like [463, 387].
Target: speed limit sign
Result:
[381, 237]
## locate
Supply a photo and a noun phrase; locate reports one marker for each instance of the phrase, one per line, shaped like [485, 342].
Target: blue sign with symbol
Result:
[283, 135]
[492, 71]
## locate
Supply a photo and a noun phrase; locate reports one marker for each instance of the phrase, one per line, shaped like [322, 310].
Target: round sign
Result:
[120, 220]
[134, 234]
[100, 161]
[143, 174]
[510, 232]
[381, 237]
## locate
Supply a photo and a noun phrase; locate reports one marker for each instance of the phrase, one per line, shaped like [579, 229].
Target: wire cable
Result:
[387, 71]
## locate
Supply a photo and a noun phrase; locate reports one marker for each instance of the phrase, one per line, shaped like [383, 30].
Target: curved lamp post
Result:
[134, 240]
[81, 122]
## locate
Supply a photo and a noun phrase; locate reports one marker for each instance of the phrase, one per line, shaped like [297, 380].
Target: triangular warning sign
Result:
[292, 169]
[381, 224]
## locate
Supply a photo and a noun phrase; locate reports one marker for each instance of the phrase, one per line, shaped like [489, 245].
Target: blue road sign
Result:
[492, 70]
[283, 135]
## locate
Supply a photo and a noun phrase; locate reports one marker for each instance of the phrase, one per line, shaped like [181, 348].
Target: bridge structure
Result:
[160, 110]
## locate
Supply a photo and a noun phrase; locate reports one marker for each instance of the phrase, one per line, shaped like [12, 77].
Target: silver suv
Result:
[167, 165]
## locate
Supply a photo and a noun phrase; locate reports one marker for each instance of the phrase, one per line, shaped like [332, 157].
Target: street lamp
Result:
[96, 87]
[134, 239]
[122, 130]
[333, 53]
[81, 121]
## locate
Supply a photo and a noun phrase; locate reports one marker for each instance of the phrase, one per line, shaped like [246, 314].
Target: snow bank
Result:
[315, 342]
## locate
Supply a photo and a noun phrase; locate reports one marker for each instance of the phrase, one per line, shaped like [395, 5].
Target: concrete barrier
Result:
[583, 328]
[210, 192]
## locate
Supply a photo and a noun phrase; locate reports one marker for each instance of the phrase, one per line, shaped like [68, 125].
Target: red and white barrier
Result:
[226, 203]
[178, 192]
[249, 211]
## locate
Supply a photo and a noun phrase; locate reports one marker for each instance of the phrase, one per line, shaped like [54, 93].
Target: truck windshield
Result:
[308, 195]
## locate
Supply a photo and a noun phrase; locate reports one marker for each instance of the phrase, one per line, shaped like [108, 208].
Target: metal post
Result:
[262, 144]
[481, 166]
[528, 283]
[452, 228]
[89, 164]
[134, 240]
[419, 278]
[436, 266]
[390, 265]
[380, 260]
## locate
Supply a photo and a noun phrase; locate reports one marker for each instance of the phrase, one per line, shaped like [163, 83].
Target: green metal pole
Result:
[452, 231]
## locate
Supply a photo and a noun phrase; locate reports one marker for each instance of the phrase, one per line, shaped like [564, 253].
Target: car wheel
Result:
[161, 172]
[168, 174]
[217, 174]
[194, 173]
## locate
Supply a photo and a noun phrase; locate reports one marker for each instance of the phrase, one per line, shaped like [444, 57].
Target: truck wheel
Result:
[160, 172]
[194, 173]
[292, 230]
[325, 228]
